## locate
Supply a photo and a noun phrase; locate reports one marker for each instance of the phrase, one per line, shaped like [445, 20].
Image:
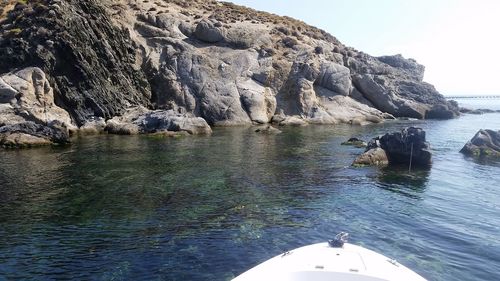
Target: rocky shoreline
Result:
[130, 67]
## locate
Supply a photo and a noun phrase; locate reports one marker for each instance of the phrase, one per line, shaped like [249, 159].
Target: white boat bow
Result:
[331, 261]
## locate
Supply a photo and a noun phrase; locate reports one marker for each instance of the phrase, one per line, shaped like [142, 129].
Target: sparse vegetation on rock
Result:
[227, 64]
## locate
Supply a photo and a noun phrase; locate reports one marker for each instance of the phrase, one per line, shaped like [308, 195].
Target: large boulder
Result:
[486, 143]
[28, 114]
[335, 77]
[378, 90]
[209, 32]
[405, 147]
[143, 121]
[28, 134]
[28, 93]
[372, 157]
[258, 101]
[168, 120]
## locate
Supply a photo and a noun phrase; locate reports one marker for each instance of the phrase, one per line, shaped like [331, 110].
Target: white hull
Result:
[321, 262]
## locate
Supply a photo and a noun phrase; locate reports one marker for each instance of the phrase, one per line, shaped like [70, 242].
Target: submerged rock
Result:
[355, 142]
[480, 111]
[486, 143]
[270, 130]
[403, 147]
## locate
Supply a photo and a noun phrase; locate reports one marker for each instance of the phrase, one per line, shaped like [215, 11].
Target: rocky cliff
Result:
[224, 63]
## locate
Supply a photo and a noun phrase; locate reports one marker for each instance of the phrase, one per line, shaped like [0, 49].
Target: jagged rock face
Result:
[28, 115]
[485, 144]
[224, 63]
[90, 61]
[28, 94]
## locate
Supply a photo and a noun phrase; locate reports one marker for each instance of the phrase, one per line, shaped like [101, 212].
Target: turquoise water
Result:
[208, 208]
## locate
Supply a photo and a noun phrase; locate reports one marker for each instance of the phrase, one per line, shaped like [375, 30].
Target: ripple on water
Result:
[208, 208]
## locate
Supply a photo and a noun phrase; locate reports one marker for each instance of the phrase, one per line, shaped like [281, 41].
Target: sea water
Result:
[210, 207]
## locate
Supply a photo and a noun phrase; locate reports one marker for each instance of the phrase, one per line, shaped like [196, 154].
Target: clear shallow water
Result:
[209, 208]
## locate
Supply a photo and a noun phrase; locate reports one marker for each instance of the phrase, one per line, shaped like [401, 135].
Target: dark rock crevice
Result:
[88, 60]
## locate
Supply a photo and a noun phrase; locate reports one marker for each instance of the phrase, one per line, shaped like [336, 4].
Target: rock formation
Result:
[372, 157]
[405, 147]
[28, 115]
[227, 64]
[141, 120]
[486, 143]
[29, 134]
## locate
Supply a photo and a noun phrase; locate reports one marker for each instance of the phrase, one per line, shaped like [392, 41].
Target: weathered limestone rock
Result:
[293, 121]
[143, 121]
[372, 157]
[378, 91]
[335, 77]
[207, 31]
[258, 101]
[117, 127]
[93, 127]
[30, 96]
[161, 120]
[28, 114]
[486, 143]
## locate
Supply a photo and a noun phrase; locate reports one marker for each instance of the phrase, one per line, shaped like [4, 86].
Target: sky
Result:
[458, 41]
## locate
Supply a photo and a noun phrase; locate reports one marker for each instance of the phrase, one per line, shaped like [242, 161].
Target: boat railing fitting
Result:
[339, 240]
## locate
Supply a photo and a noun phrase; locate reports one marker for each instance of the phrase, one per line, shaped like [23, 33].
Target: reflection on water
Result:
[399, 179]
[210, 207]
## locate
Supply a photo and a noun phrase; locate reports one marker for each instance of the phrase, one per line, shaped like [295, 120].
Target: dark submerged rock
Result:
[270, 130]
[355, 142]
[481, 111]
